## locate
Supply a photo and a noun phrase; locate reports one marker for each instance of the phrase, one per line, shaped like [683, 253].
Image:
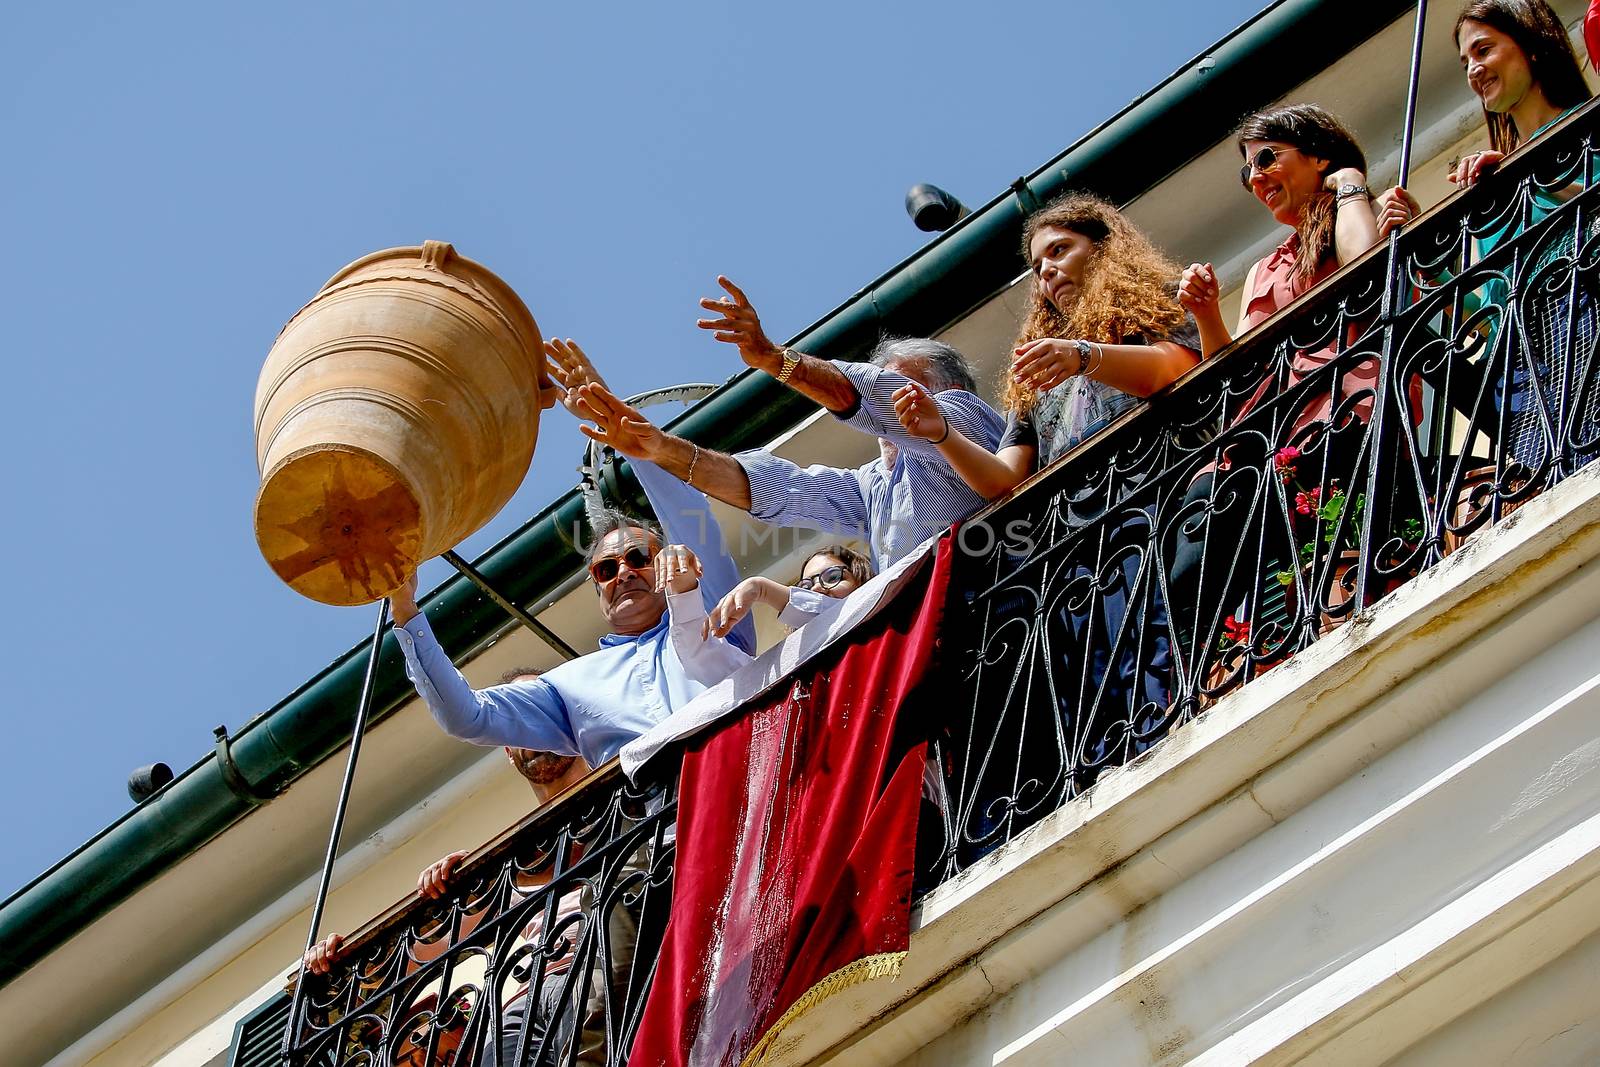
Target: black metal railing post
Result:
[1380, 503]
[1408, 133]
[543, 632]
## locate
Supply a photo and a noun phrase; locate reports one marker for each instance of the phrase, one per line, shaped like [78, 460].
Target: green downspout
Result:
[923, 295]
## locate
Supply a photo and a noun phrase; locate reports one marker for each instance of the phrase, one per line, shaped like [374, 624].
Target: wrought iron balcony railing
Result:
[542, 954]
[1343, 447]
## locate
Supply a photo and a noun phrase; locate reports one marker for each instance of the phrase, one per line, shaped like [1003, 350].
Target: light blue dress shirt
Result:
[593, 705]
[894, 508]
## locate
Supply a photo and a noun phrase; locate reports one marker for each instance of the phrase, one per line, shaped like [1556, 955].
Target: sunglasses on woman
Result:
[1264, 160]
[606, 568]
[826, 578]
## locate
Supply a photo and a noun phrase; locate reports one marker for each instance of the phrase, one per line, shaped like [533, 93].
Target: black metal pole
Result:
[356, 732]
[1411, 94]
[547, 635]
[1378, 476]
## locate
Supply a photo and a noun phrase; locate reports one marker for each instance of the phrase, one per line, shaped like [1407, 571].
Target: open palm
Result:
[618, 423]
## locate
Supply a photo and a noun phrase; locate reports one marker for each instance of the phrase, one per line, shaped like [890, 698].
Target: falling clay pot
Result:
[396, 414]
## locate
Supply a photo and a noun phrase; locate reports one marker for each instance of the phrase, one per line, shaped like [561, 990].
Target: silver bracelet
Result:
[688, 479]
[1091, 365]
[1085, 350]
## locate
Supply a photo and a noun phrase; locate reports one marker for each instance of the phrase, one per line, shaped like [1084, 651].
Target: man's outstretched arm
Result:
[625, 429]
[809, 376]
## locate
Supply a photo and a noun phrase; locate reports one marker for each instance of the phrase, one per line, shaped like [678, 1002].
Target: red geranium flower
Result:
[1306, 501]
[1236, 631]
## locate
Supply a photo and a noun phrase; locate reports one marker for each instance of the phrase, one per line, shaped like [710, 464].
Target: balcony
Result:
[1183, 635]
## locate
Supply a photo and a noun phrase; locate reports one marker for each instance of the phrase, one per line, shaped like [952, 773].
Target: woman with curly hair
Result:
[1104, 329]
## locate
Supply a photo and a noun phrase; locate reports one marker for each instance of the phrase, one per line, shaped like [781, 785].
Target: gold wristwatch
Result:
[791, 360]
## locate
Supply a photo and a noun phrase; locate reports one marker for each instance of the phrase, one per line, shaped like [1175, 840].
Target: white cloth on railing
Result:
[775, 664]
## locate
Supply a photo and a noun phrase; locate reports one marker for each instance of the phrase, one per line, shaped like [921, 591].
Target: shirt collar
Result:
[1288, 249]
[609, 640]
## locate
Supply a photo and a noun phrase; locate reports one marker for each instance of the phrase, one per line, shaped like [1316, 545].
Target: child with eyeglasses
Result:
[830, 574]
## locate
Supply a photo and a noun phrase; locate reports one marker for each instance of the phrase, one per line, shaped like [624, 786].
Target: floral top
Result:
[1080, 407]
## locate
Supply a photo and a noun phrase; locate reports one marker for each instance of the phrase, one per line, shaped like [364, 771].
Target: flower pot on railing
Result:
[1341, 589]
[395, 415]
[1238, 643]
[1473, 505]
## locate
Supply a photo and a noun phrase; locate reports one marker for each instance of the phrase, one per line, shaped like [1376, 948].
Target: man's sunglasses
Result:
[826, 578]
[1264, 160]
[606, 568]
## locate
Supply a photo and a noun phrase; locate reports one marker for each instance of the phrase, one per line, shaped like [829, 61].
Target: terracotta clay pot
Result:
[396, 414]
[1474, 501]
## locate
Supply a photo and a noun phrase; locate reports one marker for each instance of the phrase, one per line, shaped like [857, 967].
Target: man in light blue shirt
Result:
[895, 502]
[593, 705]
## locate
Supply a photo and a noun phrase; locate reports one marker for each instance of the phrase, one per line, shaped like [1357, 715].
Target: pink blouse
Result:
[1276, 286]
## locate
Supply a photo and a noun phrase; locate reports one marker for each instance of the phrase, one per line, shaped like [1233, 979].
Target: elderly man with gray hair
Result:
[895, 502]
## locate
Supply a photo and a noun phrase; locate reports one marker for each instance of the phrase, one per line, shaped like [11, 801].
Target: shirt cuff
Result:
[686, 607]
[805, 605]
[769, 482]
[864, 376]
[414, 632]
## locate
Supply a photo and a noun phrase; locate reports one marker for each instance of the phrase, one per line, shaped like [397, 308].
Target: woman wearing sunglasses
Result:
[828, 576]
[1306, 169]
[1309, 173]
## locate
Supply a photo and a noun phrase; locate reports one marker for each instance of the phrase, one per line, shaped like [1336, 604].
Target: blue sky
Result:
[180, 178]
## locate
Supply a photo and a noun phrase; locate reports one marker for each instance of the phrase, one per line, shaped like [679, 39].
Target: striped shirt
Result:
[895, 504]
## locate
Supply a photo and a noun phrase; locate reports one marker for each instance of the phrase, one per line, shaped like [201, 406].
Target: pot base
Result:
[338, 525]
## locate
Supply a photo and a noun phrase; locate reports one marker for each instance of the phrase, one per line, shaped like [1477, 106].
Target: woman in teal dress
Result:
[1519, 62]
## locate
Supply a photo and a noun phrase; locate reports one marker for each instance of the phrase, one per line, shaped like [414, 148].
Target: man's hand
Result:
[677, 569]
[1474, 166]
[915, 408]
[739, 325]
[737, 604]
[403, 602]
[619, 424]
[321, 957]
[1394, 208]
[1199, 292]
[571, 370]
[433, 882]
[1047, 362]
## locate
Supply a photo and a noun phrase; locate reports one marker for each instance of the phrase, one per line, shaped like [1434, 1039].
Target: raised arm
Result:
[527, 713]
[772, 489]
[705, 659]
[686, 519]
[738, 324]
[989, 474]
[1355, 226]
[875, 412]
[625, 429]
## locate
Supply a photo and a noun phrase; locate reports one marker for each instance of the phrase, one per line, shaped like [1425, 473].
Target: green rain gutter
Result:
[1174, 123]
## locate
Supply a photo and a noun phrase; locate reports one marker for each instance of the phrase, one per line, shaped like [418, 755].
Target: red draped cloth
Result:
[797, 825]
